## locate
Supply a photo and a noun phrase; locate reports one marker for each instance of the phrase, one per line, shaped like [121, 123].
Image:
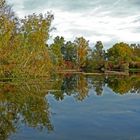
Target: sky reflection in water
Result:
[71, 107]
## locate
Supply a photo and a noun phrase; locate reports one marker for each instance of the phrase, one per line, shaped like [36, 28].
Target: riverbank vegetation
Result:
[24, 51]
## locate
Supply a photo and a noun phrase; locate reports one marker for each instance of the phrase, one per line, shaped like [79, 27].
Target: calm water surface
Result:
[71, 107]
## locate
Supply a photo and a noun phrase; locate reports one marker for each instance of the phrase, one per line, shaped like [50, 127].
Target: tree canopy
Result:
[24, 50]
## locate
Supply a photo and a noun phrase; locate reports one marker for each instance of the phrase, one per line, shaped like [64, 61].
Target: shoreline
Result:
[97, 73]
[105, 73]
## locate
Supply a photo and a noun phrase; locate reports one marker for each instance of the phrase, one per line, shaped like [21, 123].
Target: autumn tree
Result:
[9, 37]
[23, 42]
[120, 52]
[82, 46]
[8, 26]
[35, 30]
[35, 34]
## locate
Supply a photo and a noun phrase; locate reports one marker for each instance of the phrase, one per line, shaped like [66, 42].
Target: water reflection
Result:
[79, 85]
[98, 82]
[24, 104]
[27, 103]
[124, 84]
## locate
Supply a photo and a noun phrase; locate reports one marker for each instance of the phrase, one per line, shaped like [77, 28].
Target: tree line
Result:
[24, 50]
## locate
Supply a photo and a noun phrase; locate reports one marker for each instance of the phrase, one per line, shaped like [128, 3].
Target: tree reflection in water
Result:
[27, 104]
[124, 84]
[23, 104]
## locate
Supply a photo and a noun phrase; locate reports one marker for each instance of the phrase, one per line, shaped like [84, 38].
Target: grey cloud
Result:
[68, 4]
[88, 32]
[102, 10]
[117, 7]
[136, 30]
[33, 4]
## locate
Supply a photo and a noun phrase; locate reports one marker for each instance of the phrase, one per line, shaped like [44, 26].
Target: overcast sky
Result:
[110, 21]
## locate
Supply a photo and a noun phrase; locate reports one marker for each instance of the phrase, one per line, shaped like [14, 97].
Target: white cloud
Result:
[101, 22]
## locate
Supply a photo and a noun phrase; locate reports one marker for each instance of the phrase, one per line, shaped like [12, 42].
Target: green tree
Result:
[69, 51]
[120, 53]
[56, 49]
[136, 52]
[98, 55]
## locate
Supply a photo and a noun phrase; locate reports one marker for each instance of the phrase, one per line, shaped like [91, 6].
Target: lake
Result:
[71, 107]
